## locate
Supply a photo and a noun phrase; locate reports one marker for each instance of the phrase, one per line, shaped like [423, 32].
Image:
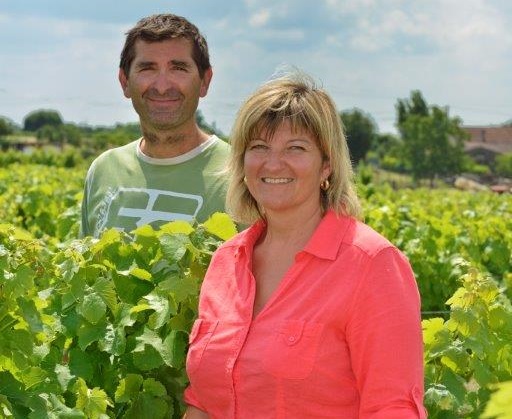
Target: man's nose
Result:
[163, 81]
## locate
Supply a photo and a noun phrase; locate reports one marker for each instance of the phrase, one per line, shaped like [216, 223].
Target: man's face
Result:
[164, 84]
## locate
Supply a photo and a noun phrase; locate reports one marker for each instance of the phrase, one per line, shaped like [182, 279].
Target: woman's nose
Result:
[274, 160]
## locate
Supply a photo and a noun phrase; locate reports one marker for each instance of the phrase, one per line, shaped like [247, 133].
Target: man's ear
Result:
[205, 82]
[124, 83]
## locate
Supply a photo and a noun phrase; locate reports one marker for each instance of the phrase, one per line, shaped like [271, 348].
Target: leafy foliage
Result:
[471, 352]
[38, 119]
[361, 130]
[99, 328]
[433, 141]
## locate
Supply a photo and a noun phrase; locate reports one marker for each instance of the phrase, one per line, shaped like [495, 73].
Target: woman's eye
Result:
[258, 147]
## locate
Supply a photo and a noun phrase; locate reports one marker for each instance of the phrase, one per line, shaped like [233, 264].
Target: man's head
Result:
[162, 27]
[165, 70]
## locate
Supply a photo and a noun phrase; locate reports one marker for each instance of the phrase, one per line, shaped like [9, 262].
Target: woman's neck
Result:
[291, 229]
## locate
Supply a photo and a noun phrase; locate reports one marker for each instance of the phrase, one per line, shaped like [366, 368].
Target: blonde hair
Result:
[295, 98]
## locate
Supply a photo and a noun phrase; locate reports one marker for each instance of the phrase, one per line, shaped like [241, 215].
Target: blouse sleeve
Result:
[385, 339]
[191, 399]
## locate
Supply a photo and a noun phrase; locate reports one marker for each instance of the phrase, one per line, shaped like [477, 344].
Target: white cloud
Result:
[259, 18]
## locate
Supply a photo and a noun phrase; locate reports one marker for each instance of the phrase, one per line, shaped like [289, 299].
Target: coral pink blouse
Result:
[339, 338]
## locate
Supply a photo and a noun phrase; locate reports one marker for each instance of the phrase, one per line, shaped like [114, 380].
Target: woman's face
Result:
[284, 172]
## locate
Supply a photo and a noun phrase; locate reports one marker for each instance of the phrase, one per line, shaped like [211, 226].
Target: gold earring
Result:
[324, 185]
[245, 179]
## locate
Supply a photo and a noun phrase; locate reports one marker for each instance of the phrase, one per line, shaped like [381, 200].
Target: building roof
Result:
[497, 139]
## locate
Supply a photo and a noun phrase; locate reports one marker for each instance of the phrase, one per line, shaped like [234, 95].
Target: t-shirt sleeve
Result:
[385, 339]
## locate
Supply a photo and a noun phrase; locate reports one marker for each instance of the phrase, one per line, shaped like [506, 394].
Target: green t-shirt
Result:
[125, 189]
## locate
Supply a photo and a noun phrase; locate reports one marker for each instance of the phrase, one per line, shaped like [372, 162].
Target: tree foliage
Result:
[504, 164]
[38, 119]
[360, 129]
[433, 142]
[60, 134]
[6, 126]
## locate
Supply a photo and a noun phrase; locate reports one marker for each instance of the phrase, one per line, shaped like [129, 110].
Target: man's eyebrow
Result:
[180, 63]
[141, 64]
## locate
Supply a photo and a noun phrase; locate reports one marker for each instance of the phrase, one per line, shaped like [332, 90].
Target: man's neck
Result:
[168, 144]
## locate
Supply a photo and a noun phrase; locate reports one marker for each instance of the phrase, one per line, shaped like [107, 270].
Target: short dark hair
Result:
[161, 27]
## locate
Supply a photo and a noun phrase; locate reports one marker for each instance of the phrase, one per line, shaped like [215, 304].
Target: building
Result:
[486, 142]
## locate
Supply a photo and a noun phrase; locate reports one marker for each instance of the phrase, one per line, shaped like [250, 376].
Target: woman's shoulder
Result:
[369, 241]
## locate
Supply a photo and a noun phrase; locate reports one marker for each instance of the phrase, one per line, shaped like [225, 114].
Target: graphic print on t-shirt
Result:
[129, 208]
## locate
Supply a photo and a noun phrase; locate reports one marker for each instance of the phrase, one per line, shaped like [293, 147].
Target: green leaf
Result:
[11, 387]
[33, 376]
[89, 333]
[439, 396]
[22, 340]
[177, 227]
[31, 314]
[220, 225]
[154, 388]
[114, 341]
[181, 288]
[147, 359]
[430, 328]
[107, 291]
[81, 364]
[21, 283]
[147, 406]
[64, 376]
[93, 402]
[500, 402]
[144, 231]
[174, 349]
[128, 388]
[174, 246]
[92, 308]
[160, 305]
[140, 273]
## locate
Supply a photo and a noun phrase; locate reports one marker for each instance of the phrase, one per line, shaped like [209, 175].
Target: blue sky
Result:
[63, 55]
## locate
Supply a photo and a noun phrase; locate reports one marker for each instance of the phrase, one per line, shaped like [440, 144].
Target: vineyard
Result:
[98, 328]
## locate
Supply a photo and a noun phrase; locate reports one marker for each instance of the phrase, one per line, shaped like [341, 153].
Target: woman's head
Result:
[292, 98]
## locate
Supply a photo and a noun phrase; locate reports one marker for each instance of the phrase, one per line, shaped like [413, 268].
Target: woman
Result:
[309, 313]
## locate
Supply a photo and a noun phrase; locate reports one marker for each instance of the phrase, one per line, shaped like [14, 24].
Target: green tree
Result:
[360, 129]
[433, 142]
[38, 119]
[61, 134]
[504, 164]
[6, 127]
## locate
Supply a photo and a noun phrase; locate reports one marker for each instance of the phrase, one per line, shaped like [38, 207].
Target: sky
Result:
[64, 55]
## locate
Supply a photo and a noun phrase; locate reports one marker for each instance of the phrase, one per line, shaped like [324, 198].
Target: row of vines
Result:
[98, 328]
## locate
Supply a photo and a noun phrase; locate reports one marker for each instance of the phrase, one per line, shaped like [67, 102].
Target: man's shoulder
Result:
[220, 146]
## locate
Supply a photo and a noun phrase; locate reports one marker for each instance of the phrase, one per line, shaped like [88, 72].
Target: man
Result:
[173, 171]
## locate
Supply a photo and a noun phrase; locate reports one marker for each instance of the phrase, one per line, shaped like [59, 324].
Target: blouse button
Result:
[291, 339]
